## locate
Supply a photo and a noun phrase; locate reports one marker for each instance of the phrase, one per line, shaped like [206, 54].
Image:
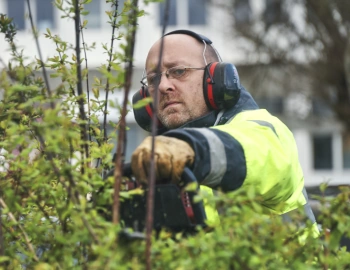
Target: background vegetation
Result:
[304, 38]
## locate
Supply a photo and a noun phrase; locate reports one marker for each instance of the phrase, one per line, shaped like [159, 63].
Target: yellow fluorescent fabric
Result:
[271, 159]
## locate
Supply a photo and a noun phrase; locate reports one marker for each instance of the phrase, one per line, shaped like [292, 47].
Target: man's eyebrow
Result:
[167, 65]
[152, 70]
[172, 64]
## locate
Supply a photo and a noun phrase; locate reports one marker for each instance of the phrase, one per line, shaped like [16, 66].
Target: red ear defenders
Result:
[143, 115]
[221, 87]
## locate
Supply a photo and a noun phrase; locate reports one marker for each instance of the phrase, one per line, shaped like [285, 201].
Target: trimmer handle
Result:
[173, 207]
[198, 208]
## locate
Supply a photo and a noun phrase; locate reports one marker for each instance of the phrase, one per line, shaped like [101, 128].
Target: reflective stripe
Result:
[218, 162]
[218, 118]
[265, 124]
[307, 208]
[236, 168]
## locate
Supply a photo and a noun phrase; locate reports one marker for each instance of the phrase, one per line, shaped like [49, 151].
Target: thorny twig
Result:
[115, 16]
[12, 217]
[74, 197]
[104, 125]
[122, 126]
[87, 81]
[62, 62]
[2, 248]
[82, 115]
[40, 55]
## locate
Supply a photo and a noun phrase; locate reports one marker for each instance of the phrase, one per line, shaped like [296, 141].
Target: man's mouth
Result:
[171, 103]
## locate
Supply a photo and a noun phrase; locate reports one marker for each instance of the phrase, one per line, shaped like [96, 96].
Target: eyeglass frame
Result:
[144, 80]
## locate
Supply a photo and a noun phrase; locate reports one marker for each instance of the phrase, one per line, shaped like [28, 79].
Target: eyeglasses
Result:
[153, 80]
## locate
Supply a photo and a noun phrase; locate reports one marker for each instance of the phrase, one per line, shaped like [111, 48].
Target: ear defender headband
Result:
[221, 86]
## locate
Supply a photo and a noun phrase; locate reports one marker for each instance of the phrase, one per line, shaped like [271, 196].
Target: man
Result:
[226, 140]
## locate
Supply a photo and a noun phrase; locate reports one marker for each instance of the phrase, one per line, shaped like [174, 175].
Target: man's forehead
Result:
[176, 40]
[175, 47]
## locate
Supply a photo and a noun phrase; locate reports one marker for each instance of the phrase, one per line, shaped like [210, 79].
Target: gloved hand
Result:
[171, 156]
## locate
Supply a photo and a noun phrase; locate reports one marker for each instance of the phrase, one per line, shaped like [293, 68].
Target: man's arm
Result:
[254, 149]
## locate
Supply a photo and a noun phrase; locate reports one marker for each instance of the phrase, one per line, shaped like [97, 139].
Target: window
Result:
[321, 108]
[15, 10]
[346, 150]
[172, 13]
[197, 12]
[274, 12]
[184, 12]
[94, 19]
[242, 12]
[44, 14]
[322, 152]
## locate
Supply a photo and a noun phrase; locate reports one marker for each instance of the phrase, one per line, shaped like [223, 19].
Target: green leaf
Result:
[96, 92]
[142, 103]
[85, 12]
[85, 22]
[323, 187]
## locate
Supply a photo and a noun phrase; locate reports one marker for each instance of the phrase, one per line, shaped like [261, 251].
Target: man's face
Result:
[180, 100]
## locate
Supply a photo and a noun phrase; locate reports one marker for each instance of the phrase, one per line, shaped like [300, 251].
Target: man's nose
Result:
[165, 84]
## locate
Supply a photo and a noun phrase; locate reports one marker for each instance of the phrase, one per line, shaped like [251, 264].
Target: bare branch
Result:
[35, 34]
[121, 144]
[81, 101]
[115, 16]
[87, 81]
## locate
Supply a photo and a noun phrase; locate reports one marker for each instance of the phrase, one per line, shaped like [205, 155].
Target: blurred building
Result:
[324, 151]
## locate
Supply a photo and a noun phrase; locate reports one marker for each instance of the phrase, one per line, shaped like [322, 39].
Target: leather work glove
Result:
[171, 156]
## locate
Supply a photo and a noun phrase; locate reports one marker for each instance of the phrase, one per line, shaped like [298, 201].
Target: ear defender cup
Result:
[143, 115]
[221, 85]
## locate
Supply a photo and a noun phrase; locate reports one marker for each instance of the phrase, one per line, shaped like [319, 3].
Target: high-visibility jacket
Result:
[247, 146]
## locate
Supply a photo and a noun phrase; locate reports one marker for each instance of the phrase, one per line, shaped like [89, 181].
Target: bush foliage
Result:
[55, 151]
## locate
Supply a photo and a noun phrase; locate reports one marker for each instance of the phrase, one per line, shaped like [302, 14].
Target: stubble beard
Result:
[173, 118]
[178, 116]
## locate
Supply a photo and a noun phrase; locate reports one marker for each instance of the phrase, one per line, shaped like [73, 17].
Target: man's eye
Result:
[178, 72]
[152, 79]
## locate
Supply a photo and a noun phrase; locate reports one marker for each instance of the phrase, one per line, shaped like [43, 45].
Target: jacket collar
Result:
[245, 102]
